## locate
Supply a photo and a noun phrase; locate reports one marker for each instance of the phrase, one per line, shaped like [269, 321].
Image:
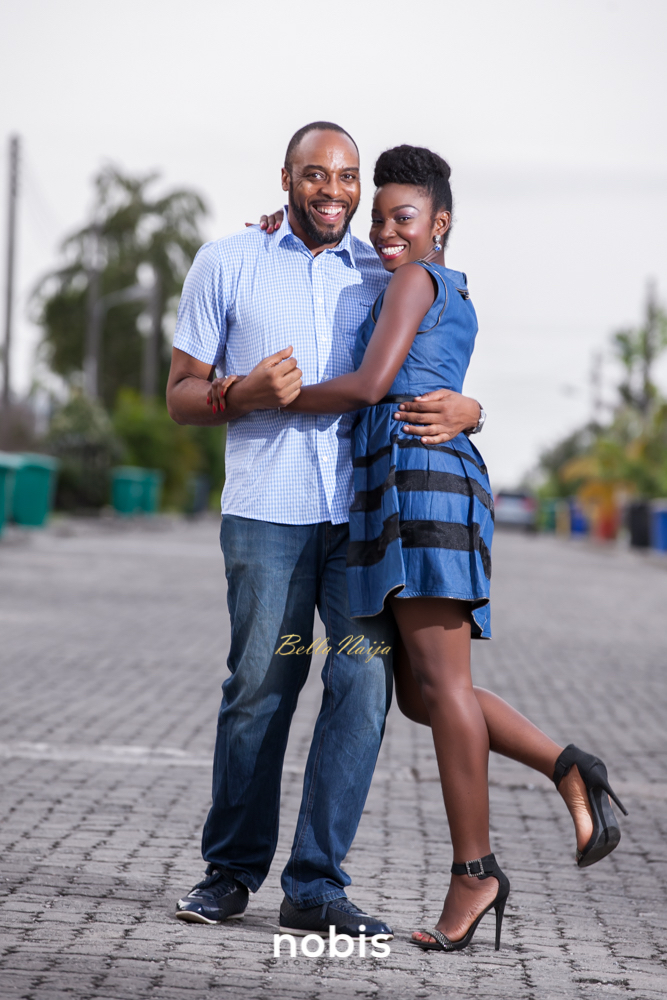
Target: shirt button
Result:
[325, 458]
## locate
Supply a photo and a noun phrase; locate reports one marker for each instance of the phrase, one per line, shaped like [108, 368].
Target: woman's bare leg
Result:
[510, 734]
[436, 635]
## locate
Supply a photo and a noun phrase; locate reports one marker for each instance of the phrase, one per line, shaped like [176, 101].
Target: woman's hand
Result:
[273, 383]
[216, 394]
[270, 222]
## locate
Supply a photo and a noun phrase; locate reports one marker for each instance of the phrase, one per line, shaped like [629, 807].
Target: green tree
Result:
[638, 349]
[132, 227]
[628, 454]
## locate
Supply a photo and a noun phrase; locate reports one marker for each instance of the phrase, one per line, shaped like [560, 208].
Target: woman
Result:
[420, 537]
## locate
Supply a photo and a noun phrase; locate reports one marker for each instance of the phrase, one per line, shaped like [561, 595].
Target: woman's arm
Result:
[409, 296]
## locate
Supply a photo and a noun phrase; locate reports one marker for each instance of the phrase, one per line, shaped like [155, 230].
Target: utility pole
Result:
[596, 386]
[11, 252]
[650, 346]
[94, 318]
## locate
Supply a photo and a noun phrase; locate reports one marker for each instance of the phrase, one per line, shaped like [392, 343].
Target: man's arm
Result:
[439, 416]
[274, 382]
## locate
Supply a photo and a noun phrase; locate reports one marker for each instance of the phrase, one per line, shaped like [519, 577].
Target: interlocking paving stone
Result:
[113, 640]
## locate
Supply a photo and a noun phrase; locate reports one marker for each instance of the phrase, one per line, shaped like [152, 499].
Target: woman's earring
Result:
[437, 245]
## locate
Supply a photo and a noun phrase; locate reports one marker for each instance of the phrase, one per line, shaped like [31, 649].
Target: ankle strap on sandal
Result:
[478, 868]
[564, 763]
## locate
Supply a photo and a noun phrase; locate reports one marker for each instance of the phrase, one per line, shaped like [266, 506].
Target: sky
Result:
[551, 114]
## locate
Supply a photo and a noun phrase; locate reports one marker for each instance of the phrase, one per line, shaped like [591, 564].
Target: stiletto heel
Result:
[480, 868]
[500, 913]
[606, 831]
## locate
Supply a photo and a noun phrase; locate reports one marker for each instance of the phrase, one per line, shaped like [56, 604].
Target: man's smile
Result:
[329, 212]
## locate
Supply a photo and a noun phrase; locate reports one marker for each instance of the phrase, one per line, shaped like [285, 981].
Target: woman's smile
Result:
[391, 251]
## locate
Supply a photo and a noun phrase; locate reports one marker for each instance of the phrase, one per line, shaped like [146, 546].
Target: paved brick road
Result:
[112, 644]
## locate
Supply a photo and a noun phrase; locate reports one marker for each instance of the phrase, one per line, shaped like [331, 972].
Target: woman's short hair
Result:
[420, 167]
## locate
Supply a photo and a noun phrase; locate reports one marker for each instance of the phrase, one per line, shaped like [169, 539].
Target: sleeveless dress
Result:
[421, 523]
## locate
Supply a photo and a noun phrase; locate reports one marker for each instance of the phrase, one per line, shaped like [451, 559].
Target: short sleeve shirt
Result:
[249, 295]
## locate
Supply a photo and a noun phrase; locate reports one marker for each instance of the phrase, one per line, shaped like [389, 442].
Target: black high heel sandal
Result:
[480, 868]
[606, 831]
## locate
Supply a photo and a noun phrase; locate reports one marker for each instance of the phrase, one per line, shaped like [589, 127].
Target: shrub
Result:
[82, 437]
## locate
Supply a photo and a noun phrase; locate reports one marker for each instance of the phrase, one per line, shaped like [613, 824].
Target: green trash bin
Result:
[152, 494]
[546, 516]
[127, 489]
[34, 489]
[9, 464]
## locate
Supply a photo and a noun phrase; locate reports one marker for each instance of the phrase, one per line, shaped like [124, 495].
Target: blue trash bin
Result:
[659, 525]
[578, 522]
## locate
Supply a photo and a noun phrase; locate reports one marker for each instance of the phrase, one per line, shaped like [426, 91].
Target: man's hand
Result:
[274, 382]
[439, 416]
[270, 222]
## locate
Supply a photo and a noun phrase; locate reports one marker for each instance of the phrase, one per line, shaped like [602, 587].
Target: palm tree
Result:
[130, 228]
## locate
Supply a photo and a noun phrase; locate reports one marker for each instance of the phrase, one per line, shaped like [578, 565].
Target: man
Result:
[284, 535]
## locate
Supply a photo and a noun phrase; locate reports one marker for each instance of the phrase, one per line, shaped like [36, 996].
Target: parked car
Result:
[515, 510]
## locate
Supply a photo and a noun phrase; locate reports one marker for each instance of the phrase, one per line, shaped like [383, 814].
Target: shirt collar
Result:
[343, 249]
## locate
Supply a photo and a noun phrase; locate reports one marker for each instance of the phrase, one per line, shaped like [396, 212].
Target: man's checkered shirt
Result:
[249, 295]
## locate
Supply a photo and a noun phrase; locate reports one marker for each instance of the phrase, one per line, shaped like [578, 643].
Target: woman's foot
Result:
[466, 899]
[573, 790]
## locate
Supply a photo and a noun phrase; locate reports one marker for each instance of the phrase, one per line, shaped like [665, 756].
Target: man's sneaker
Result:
[216, 898]
[340, 913]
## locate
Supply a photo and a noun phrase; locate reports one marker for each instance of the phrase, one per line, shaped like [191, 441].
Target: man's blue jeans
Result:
[277, 574]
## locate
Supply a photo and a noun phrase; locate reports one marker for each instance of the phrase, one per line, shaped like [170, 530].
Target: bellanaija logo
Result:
[340, 945]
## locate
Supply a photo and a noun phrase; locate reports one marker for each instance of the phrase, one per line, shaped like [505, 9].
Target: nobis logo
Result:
[340, 945]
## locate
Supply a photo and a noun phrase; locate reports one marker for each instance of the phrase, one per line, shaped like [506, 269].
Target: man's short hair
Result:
[295, 141]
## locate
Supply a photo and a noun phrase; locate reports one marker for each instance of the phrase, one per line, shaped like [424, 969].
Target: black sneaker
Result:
[340, 913]
[216, 898]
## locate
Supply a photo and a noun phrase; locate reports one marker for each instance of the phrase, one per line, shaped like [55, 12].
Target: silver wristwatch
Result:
[480, 422]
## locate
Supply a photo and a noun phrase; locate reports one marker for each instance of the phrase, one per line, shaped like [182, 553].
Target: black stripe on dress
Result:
[421, 480]
[372, 552]
[364, 461]
[408, 443]
[446, 535]
[420, 535]
[365, 500]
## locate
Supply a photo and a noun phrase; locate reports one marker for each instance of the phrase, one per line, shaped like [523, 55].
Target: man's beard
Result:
[319, 236]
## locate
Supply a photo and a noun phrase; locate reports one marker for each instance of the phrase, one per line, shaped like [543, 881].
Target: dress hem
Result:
[479, 602]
